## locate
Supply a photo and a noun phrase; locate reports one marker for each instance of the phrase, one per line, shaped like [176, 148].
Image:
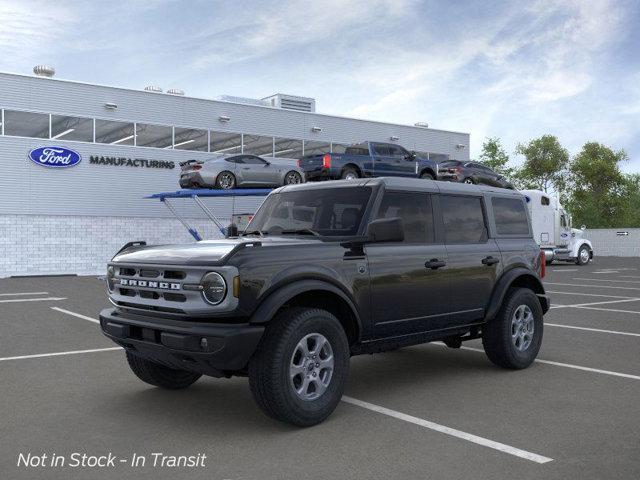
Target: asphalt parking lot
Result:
[420, 412]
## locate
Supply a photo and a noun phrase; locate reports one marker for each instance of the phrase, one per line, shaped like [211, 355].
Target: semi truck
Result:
[553, 231]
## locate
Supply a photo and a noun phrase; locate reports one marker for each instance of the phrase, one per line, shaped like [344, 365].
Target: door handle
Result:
[434, 264]
[488, 261]
[246, 168]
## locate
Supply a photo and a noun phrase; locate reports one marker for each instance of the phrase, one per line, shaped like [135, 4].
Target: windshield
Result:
[327, 212]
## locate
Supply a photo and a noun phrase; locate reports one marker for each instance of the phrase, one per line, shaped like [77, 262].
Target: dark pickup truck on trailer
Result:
[329, 270]
[368, 159]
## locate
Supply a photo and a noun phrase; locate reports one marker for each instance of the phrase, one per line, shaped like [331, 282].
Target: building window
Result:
[338, 147]
[157, 136]
[287, 148]
[226, 143]
[72, 128]
[190, 139]
[258, 145]
[26, 124]
[114, 133]
[312, 147]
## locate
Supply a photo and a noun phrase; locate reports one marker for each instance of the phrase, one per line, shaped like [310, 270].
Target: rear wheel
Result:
[299, 370]
[225, 180]
[513, 338]
[159, 375]
[427, 175]
[584, 255]
[292, 178]
[468, 181]
[349, 173]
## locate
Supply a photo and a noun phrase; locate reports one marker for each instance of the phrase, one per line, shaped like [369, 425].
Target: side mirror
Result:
[385, 230]
[231, 231]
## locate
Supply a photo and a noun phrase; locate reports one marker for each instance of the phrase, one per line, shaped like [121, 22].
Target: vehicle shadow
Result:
[228, 404]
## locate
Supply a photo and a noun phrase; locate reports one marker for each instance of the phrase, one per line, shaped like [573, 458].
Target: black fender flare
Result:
[503, 284]
[277, 298]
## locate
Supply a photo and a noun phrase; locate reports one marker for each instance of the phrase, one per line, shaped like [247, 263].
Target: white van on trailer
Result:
[552, 230]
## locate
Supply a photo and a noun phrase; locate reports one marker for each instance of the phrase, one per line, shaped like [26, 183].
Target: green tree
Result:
[495, 157]
[631, 208]
[599, 191]
[545, 164]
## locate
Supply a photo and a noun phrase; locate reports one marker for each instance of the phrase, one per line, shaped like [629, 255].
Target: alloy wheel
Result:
[522, 327]
[311, 366]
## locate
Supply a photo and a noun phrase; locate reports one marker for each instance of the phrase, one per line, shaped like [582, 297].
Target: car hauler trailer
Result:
[553, 232]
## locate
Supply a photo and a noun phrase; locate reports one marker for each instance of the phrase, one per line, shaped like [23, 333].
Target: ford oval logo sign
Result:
[55, 157]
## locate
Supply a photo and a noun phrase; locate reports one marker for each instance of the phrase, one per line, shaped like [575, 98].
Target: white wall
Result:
[53, 245]
[607, 243]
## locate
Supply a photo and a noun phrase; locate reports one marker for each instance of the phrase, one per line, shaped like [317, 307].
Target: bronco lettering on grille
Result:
[146, 283]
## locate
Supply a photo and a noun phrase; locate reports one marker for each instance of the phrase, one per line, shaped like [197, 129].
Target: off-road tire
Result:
[349, 171]
[269, 367]
[159, 375]
[496, 334]
[427, 176]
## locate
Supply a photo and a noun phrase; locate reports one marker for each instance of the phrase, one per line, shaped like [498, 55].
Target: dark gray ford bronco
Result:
[326, 271]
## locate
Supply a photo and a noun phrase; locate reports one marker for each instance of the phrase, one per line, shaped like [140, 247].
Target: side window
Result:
[510, 216]
[234, 160]
[415, 211]
[463, 219]
[381, 149]
[253, 160]
[544, 200]
[396, 151]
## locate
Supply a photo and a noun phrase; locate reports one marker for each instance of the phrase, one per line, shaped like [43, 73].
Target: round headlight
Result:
[214, 288]
[111, 272]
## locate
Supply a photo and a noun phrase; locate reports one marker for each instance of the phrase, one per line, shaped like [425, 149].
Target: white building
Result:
[72, 220]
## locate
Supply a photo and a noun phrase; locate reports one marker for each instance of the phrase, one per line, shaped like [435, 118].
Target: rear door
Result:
[407, 295]
[473, 258]
[382, 160]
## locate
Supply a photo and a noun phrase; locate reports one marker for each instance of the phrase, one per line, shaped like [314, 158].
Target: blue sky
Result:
[515, 70]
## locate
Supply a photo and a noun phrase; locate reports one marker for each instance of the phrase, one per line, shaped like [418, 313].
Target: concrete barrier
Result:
[614, 242]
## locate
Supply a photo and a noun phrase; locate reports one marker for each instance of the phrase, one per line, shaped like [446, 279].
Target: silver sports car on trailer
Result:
[240, 170]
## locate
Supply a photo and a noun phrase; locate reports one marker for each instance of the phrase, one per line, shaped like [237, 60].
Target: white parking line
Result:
[598, 286]
[566, 365]
[595, 303]
[84, 317]
[56, 354]
[605, 280]
[628, 276]
[563, 270]
[610, 310]
[587, 294]
[598, 330]
[485, 442]
[23, 293]
[605, 272]
[15, 300]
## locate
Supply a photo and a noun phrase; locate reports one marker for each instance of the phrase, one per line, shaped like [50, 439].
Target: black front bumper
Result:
[209, 348]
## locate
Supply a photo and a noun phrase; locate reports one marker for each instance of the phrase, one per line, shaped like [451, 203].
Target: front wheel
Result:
[513, 338]
[292, 178]
[584, 255]
[427, 176]
[299, 370]
[159, 375]
[225, 180]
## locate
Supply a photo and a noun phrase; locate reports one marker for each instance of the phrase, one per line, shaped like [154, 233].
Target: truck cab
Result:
[553, 231]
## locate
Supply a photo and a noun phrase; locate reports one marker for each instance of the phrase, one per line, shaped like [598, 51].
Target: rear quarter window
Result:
[510, 216]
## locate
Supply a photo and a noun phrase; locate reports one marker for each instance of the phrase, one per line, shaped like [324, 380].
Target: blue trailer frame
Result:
[196, 195]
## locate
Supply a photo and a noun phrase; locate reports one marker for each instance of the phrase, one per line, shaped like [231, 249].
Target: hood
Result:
[206, 252]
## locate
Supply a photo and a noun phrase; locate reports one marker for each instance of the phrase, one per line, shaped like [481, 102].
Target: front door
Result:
[474, 259]
[409, 282]
[257, 171]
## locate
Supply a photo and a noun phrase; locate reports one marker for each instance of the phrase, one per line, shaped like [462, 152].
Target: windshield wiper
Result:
[254, 232]
[301, 231]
